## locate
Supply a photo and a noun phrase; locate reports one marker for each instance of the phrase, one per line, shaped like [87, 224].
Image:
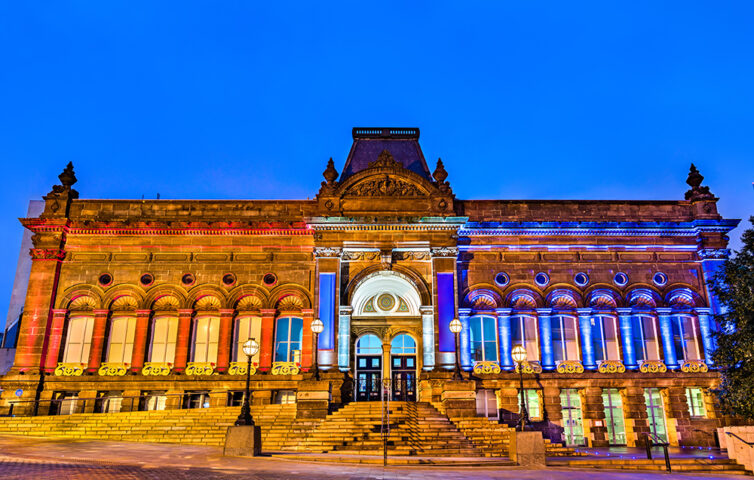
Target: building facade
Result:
[145, 304]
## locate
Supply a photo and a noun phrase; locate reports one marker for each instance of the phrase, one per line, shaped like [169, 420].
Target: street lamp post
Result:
[317, 327]
[456, 327]
[519, 356]
[250, 348]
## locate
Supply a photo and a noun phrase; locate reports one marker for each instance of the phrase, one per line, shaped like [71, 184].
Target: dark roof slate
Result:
[403, 146]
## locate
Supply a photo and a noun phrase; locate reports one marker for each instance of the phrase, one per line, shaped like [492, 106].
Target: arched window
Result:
[164, 335]
[605, 338]
[120, 344]
[524, 332]
[368, 345]
[565, 344]
[483, 338]
[246, 327]
[78, 339]
[206, 337]
[645, 334]
[288, 334]
[403, 344]
[686, 338]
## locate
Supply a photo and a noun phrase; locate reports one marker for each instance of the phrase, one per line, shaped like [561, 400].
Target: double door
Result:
[403, 374]
[368, 377]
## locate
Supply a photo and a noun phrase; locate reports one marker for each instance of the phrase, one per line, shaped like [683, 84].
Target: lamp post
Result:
[250, 348]
[456, 327]
[519, 356]
[317, 327]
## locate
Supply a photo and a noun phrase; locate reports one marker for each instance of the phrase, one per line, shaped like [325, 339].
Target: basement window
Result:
[284, 397]
[153, 400]
[108, 402]
[196, 400]
[235, 399]
[486, 404]
[64, 403]
[695, 400]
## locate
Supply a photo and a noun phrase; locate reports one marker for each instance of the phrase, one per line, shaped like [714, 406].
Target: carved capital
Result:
[327, 252]
[47, 254]
[444, 252]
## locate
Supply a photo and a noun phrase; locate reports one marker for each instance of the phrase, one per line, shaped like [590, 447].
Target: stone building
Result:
[145, 304]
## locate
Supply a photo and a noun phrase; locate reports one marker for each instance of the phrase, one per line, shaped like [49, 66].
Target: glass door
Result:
[573, 426]
[404, 378]
[368, 378]
[614, 420]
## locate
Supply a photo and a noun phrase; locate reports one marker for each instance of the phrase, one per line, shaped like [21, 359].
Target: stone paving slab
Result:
[44, 458]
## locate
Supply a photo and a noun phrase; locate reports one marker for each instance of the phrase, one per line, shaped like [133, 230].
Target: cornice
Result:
[597, 229]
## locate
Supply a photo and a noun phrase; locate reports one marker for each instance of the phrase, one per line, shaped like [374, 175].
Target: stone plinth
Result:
[243, 441]
[527, 449]
[313, 399]
[459, 398]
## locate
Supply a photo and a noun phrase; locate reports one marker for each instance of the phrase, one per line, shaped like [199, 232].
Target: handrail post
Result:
[667, 457]
[648, 444]
[10, 410]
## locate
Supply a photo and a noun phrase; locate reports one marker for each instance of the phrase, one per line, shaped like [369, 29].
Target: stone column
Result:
[344, 339]
[666, 330]
[224, 340]
[504, 337]
[55, 339]
[267, 342]
[594, 417]
[552, 410]
[585, 330]
[386, 366]
[635, 412]
[626, 337]
[705, 332]
[182, 347]
[464, 339]
[141, 335]
[545, 338]
[428, 336]
[307, 340]
[97, 347]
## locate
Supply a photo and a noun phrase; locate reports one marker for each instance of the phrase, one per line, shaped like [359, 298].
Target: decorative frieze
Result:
[570, 366]
[611, 366]
[156, 369]
[529, 367]
[113, 369]
[653, 366]
[285, 368]
[694, 366]
[70, 369]
[444, 251]
[200, 368]
[327, 252]
[47, 254]
[486, 367]
[239, 368]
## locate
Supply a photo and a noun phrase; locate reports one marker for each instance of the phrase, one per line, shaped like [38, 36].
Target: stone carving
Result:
[694, 366]
[697, 191]
[486, 367]
[285, 368]
[385, 159]
[239, 368]
[652, 366]
[208, 303]
[70, 369]
[113, 369]
[365, 256]
[611, 366]
[385, 187]
[714, 253]
[249, 303]
[126, 303]
[200, 368]
[156, 369]
[83, 303]
[412, 255]
[330, 174]
[530, 367]
[444, 251]
[46, 254]
[327, 252]
[570, 366]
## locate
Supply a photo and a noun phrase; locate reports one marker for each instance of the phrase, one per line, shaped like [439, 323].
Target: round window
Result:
[270, 279]
[541, 279]
[229, 279]
[620, 279]
[660, 279]
[188, 279]
[502, 279]
[581, 279]
[105, 279]
[147, 279]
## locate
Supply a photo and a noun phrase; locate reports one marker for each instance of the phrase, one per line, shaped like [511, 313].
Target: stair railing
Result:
[652, 441]
[385, 428]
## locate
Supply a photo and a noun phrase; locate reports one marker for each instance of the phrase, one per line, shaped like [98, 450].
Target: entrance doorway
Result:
[403, 368]
[368, 368]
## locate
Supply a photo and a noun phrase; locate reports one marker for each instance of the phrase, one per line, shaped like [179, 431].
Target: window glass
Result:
[605, 338]
[483, 338]
[614, 419]
[655, 413]
[206, 336]
[164, 334]
[403, 345]
[695, 400]
[78, 340]
[564, 340]
[524, 332]
[573, 425]
[288, 334]
[486, 403]
[121, 340]
[533, 404]
[685, 338]
[246, 328]
[369, 345]
[645, 337]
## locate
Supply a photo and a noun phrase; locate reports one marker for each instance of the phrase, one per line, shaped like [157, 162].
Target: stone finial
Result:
[68, 177]
[440, 174]
[697, 191]
[330, 173]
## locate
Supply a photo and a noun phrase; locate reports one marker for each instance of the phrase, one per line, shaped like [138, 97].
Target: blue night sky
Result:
[603, 100]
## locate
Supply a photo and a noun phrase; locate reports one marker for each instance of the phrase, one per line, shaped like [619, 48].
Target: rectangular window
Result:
[246, 328]
[206, 336]
[564, 338]
[483, 338]
[196, 400]
[573, 425]
[605, 338]
[655, 413]
[288, 333]
[614, 419]
[108, 402]
[645, 337]
[685, 338]
[164, 335]
[533, 404]
[78, 340]
[524, 332]
[121, 339]
[486, 404]
[154, 400]
[64, 403]
[284, 397]
[695, 400]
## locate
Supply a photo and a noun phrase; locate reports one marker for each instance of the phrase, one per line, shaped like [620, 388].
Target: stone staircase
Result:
[416, 429]
[697, 465]
[205, 426]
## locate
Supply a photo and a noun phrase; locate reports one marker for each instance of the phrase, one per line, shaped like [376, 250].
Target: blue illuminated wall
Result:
[327, 310]
[445, 311]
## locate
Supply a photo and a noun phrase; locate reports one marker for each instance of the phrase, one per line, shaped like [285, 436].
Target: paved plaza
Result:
[44, 458]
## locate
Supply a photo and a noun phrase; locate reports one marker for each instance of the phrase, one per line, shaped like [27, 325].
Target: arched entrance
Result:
[387, 336]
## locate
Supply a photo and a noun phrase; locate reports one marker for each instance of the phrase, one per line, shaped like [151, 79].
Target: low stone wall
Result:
[739, 443]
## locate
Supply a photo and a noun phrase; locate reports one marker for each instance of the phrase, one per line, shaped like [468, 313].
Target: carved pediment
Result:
[384, 186]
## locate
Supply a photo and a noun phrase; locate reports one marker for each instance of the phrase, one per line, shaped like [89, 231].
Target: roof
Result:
[402, 143]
